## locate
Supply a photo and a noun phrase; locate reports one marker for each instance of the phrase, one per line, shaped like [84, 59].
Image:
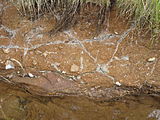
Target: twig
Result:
[18, 63]
[5, 79]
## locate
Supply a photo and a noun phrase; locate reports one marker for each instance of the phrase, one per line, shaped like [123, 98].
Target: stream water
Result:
[19, 105]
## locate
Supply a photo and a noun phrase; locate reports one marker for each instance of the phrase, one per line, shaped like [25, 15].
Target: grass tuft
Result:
[63, 10]
[144, 13]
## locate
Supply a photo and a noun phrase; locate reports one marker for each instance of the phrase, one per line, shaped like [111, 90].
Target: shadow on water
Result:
[19, 105]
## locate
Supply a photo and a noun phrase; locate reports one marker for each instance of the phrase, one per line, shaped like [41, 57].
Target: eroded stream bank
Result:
[76, 66]
[76, 61]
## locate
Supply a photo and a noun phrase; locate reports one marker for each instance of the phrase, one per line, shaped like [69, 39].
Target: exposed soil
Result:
[75, 61]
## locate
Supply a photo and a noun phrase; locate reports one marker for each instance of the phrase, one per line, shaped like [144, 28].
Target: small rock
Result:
[45, 54]
[34, 62]
[94, 38]
[126, 58]
[78, 77]
[118, 83]
[63, 72]
[151, 59]
[9, 65]
[92, 89]
[6, 50]
[40, 36]
[103, 68]
[31, 75]
[155, 114]
[116, 33]
[10, 76]
[74, 68]
[74, 78]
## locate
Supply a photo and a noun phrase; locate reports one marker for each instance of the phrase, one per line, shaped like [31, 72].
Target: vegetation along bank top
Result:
[145, 14]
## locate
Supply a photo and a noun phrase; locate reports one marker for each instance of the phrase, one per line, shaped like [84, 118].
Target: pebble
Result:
[82, 82]
[9, 65]
[63, 72]
[45, 54]
[151, 59]
[155, 114]
[30, 75]
[118, 83]
[74, 68]
[116, 33]
[102, 68]
[10, 76]
[78, 77]
[34, 62]
[92, 89]
[6, 50]
[39, 36]
[126, 58]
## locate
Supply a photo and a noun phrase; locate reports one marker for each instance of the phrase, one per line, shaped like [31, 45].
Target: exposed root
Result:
[66, 12]
[5, 79]
[67, 18]
[12, 59]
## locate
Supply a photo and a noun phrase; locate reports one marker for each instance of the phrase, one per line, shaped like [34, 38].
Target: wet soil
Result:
[19, 105]
[75, 61]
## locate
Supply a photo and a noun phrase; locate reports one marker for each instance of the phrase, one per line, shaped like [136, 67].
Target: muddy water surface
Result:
[18, 105]
[82, 59]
